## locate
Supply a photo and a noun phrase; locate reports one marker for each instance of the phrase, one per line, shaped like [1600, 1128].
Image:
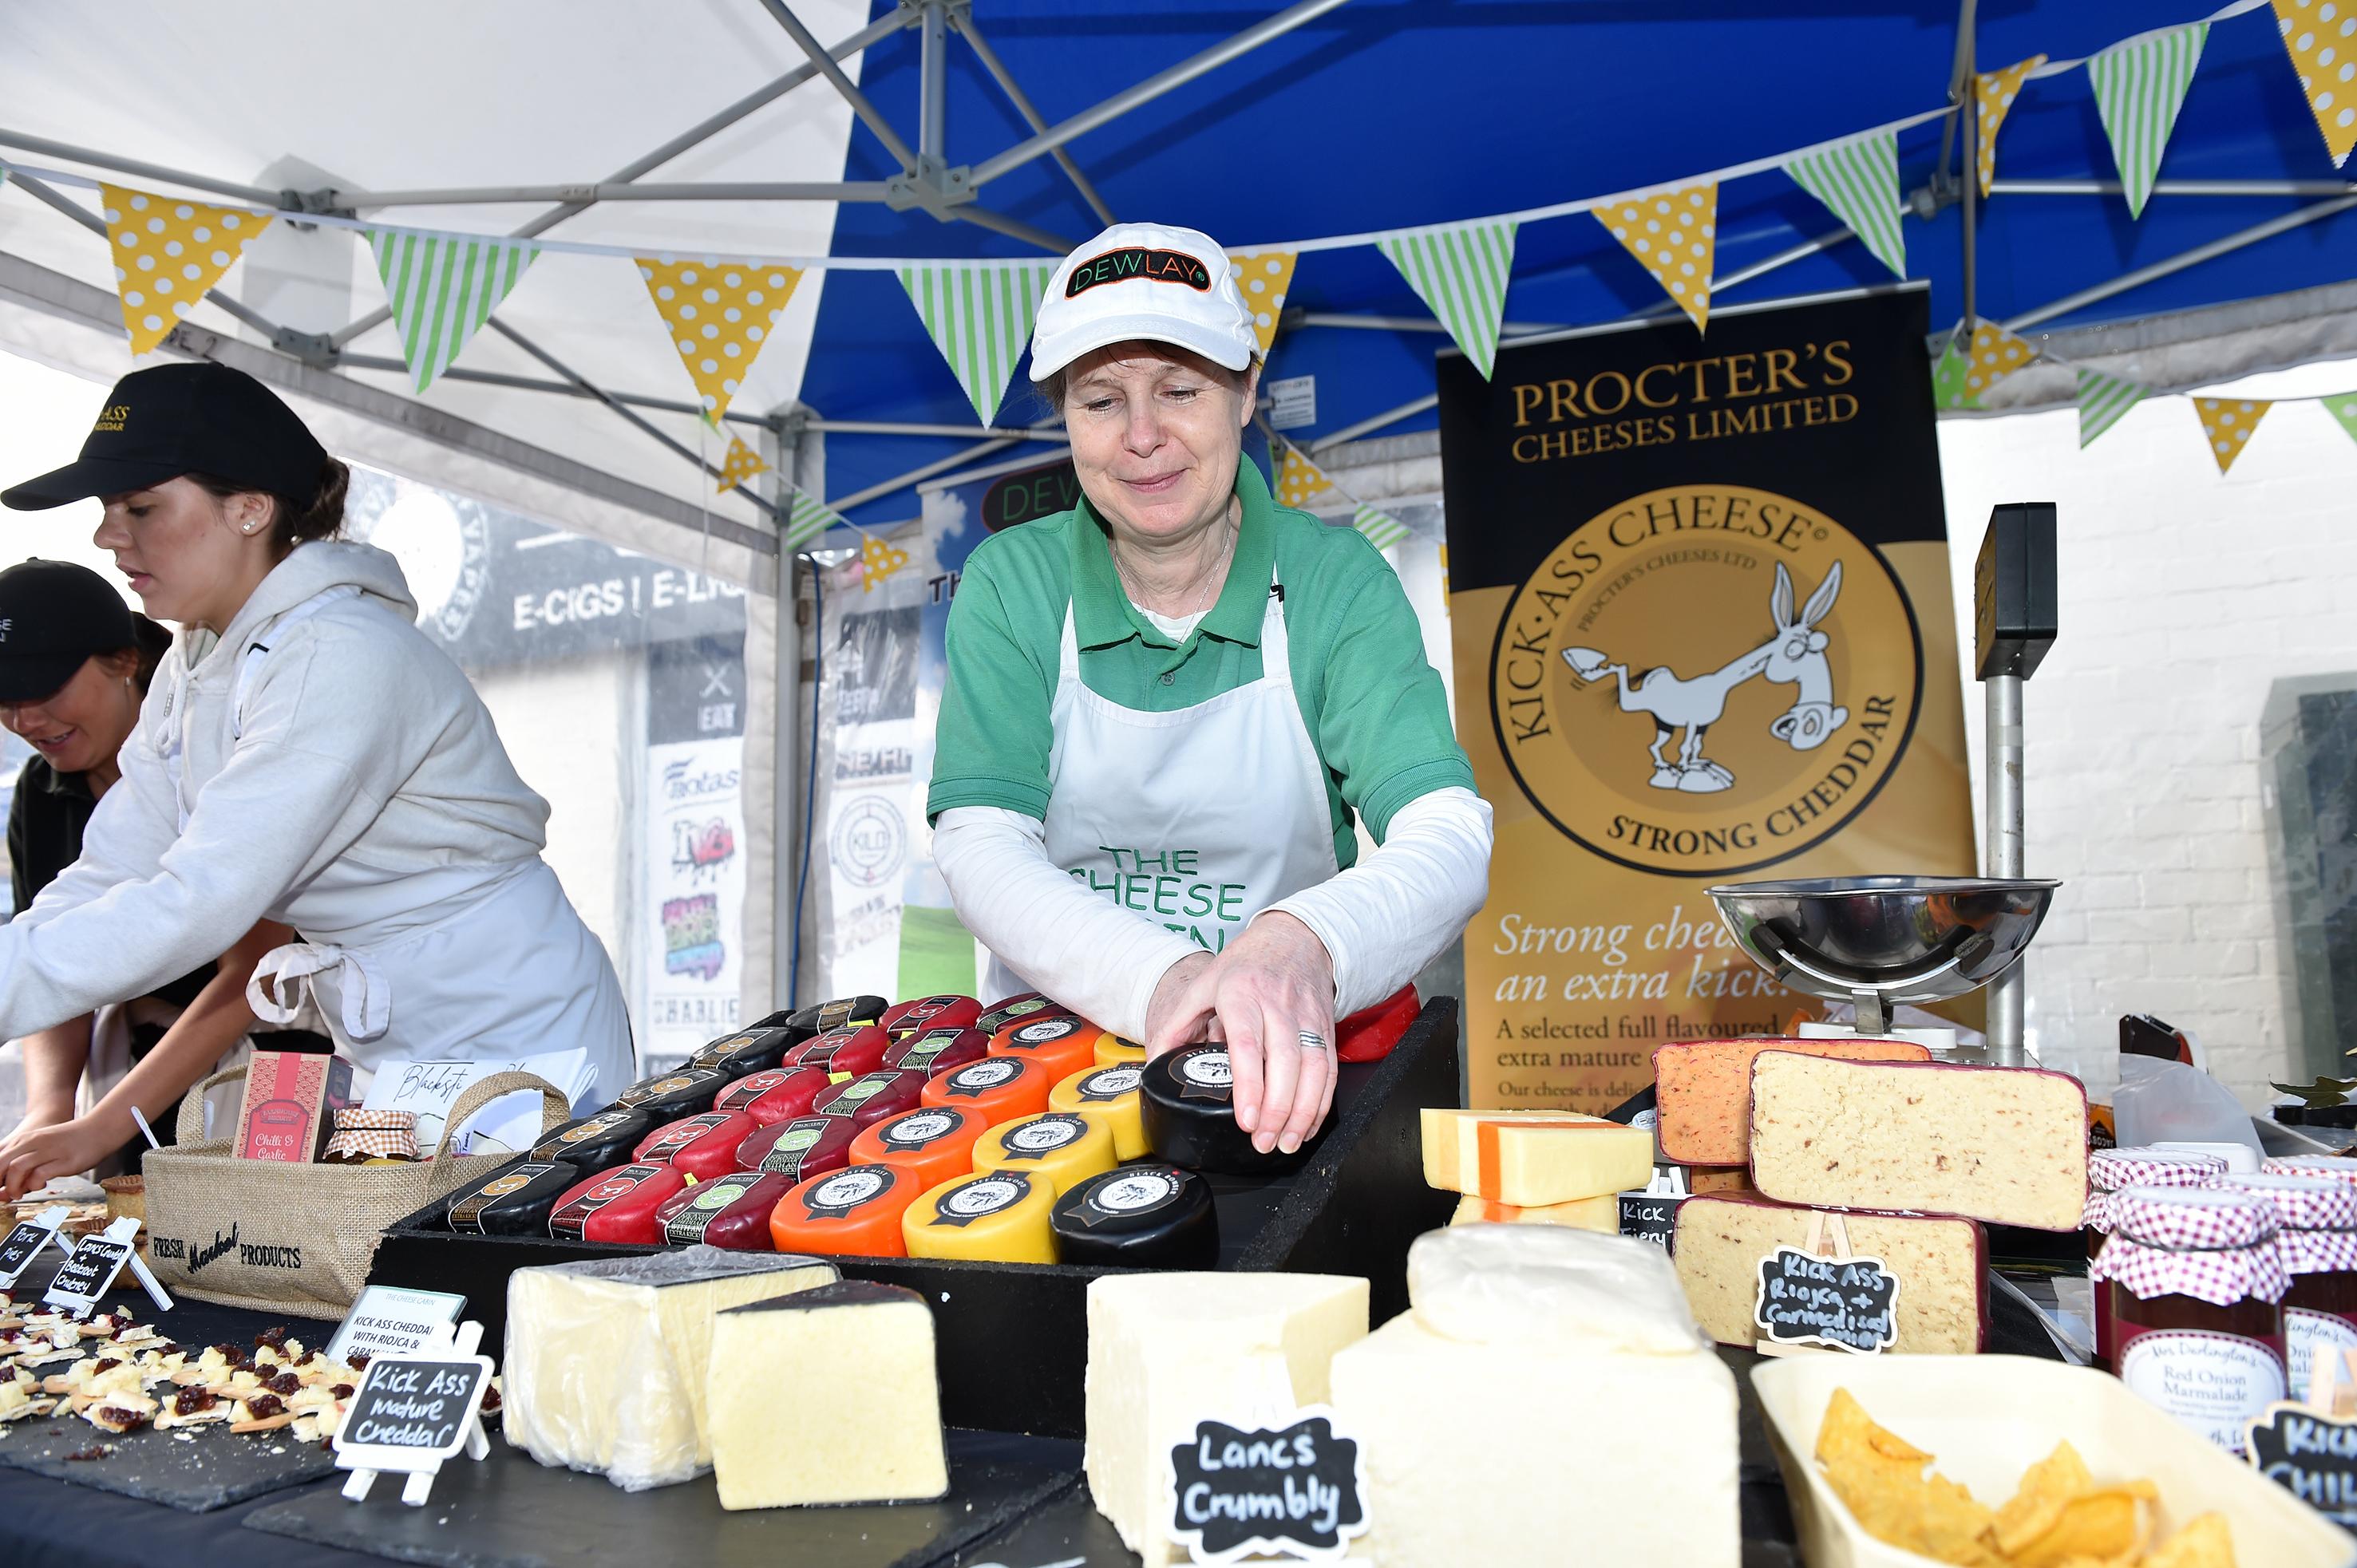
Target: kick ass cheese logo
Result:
[1704, 679]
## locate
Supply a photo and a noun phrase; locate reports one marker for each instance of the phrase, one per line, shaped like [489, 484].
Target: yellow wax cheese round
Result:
[1114, 1051]
[1109, 1093]
[1000, 1215]
[1062, 1149]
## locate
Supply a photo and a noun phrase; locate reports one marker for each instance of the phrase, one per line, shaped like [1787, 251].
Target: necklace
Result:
[1210, 585]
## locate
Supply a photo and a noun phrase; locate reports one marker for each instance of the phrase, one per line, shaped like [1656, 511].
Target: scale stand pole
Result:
[2014, 616]
[2002, 837]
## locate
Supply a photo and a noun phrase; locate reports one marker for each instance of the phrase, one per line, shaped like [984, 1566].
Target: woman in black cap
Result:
[306, 755]
[74, 665]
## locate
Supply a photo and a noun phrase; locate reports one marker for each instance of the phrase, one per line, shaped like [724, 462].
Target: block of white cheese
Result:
[605, 1368]
[1942, 1266]
[885, 1445]
[1530, 1159]
[1167, 1350]
[1542, 1375]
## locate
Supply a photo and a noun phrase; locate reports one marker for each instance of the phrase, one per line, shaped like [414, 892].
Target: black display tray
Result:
[1013, 1338]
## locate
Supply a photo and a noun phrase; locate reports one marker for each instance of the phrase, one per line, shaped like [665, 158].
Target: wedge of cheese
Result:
[1942, 1265]
[1602, 1214]
[1703, 1090]
[2005, 1146]
[1533, 1160]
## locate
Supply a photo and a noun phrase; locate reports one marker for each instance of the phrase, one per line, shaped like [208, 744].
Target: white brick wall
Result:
[2184, 594]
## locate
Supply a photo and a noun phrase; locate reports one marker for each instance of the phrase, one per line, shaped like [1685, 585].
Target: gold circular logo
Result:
[1703, 679]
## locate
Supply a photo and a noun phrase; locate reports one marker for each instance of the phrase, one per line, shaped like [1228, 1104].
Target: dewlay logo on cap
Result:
[1141, 263]
[1144, 282]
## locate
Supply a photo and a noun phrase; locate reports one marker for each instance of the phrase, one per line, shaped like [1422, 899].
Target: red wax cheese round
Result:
[805, 1146]
[1369, 1035]
[1006, 1010]
[617, 1205]
[1062, 1046]
[937, 1051]
[932, 1143]
[855, 1211]
[855, 1049]
[703, 1146]
[730, 1211]
[930, 1013]
[999, 1088]
[779, 1095]
[871, 1096]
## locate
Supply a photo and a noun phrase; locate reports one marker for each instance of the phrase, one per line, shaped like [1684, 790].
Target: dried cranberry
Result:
[271, 1337]
[96, 1451]
[104, 1366]
[189, 1401]
[125, 1419]
[283, 1383]
[340, 1391]
[491, 1402]
[307, 1357]
[261, 1407]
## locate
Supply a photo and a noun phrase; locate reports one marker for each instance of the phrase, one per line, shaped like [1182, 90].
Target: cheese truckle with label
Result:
[999, 1088]
[730, 1211]
[1940, 1264]
[805, 1146]
[515, 1200]
[1143, 1215]
[1187, 1107]
[1111, 1094]
[999, 1216]
[778, 1095]
[676, 1094]
[930, 1013]
[936, 1050]
[599, 1141]
[1111, 1050]
[1006, 1010]
[855, 1212]
[703, 1146]
[871, 1096]
[821, 1017]
[1062, 1046]
[847, 1051]
[752, 1050]
[616, 1206]
[933, 1144]
[1061, 1148]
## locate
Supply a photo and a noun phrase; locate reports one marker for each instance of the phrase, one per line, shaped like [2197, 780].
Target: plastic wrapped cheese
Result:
[1498, 1285]
[607, 1362]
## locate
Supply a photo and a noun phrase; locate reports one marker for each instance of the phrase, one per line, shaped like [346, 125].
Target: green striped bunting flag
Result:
[1381, 529]
[807, 516]
[979, 315]
[442, 289]
[1461, 274]
[1859, 180]
[2102, 400]
[2138, 88]
[2342, 407]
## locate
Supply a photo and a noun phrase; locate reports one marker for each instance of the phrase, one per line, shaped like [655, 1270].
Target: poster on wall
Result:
[693, 965]
[1699, 594]
[868, 688]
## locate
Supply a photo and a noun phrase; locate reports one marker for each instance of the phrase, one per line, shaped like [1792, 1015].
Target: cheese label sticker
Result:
[976, 1077]
[1047, 1030]
[686, 1133]
[980, 1199]
[846, 1190]
[834, 1014]
[746, 1090]
[1043, 1134]
[1844, 1303]
[800, 1137]
[852, 1096]
[594, 1126]
[1112, 1082]
[920, 1128]
[468, 1210]
[1134, 1192]
[690, 1223]
[1294, 1489]
[1206, 1075]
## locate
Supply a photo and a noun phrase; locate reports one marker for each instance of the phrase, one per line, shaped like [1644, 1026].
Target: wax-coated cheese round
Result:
[1113, 1050]
[731, 1212]
[675, 1094]
[1001, 1216]
[1186, 1106]
[855, 1211]
[1110, 1093]
[1060, 1148]
[703, 1145]
[1026, 1004]
[1145, 1216]
[1369, 1035]
[930, 1013]
[1000, 1088]
[871, 1096]
[805, 1146]
[599, 1141]
[821, 1017]
[617, 1207]
[937, 1051]
[515, 1200]
[778, 1095]
[1061, 1047]
[748, 1051]
[931, 1143]
[855, 1049]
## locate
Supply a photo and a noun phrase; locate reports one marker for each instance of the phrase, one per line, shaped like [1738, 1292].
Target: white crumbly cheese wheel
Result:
[1529, 1284]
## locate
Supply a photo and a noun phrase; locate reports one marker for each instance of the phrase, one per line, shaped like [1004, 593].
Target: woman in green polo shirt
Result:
[1166, 706]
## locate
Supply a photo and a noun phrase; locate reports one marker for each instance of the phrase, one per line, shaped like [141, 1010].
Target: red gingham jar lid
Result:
[2214, 1245]
[2193, 1218]
[2337, 1165]
[2303, 1202]
[2109, 1170]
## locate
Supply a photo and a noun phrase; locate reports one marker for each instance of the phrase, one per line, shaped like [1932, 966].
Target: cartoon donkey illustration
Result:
[1794, 656]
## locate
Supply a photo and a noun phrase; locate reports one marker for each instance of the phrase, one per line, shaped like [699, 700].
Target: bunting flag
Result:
[168, 252]
[1675, 234]
[807, 516]
[1299, 481]
[442, 289]
[1996, 354]
[2138, 86]
[2321, 40]
[2344, 410]
[1264, 276]
[1859, 180]
[881, 560]
[741, 464]
[980, 318]
[1948, 388]
[2102, 400]
[1993, 94]
[1461, 274]
[2228, 423]
[719, 314]
[1381, 529]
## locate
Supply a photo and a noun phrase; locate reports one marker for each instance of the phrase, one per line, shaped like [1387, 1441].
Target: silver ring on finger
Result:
[1313, 1041]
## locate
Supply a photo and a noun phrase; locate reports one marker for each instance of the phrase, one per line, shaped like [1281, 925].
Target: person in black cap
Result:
[308, 756]
[74, 665]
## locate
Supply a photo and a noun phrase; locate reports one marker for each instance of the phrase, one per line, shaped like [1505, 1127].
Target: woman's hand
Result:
[1270, 987]
[28, 1159]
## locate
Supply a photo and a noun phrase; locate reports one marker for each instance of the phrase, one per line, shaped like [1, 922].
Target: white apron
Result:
[1197, 819]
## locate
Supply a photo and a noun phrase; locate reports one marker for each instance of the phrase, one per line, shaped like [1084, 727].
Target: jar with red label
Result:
[2193, 1283]
[2110, 1170]
[2319, 1243]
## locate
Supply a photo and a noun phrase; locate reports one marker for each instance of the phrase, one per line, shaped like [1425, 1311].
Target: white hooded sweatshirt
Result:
[322, 763]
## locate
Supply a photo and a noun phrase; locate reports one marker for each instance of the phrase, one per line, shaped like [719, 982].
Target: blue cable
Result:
[810, 779]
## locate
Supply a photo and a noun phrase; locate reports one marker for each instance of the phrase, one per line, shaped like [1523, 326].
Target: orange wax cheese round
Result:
[1114, 1051]
[871, 1096]
[702, 1147]
[778, 1095]
[999, 1088]
[1062, 1046]
[855, 1211]
[1109, 1094]
[1000, 1215]
[855, 1049]
[931, 1143]
[1061, 1148]
[930, 1013]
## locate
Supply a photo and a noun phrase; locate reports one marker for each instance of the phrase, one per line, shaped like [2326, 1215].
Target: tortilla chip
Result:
[2037, 1504]
[2105, 1525]
[2205, 1543]
[1878, 1476]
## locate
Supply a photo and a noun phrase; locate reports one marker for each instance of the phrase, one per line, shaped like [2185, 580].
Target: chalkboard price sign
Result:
[2312, 1455]
[24, 1244]
[411, 1412]
[1651, 1219]
[1297, 1489]
[1845, 1304]
[88, 1274]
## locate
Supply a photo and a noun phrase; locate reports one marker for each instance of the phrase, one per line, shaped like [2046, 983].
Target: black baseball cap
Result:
[53, 616]
[192, 418]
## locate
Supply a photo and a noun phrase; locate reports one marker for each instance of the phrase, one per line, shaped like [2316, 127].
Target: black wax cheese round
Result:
[689, 1091]
[1145, 1216]
[820, 1016]
[599, 1142]
[513, 1200]
[748, 1051]
[1186, 1102]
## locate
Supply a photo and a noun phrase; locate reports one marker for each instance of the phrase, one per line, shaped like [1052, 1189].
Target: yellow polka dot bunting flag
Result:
[2228, 422]
[2321, 36]
[1995, 354]
[979, 317]
[1263, 277]
[1993, 94]
[1299, 481]
[1673, 234]
[2139, 87]
[881, 560]
[168, 252]
[720, 314]
[1461, 273]
[741, 464]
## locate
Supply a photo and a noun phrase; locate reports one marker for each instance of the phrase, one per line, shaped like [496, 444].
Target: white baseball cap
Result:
[1144, 281]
